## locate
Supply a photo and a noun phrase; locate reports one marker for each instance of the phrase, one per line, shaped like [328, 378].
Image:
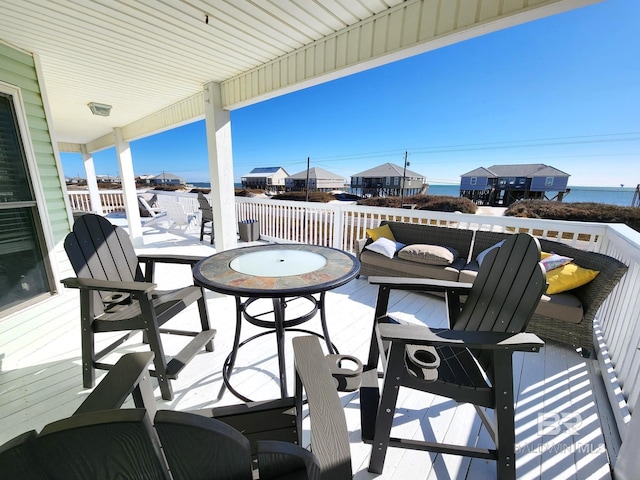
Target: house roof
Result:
[548, 171]
[388, 170]
[167, 175]
[317, 173]
[479, 172]
[150, 60]
[264, 172]
[523, 170]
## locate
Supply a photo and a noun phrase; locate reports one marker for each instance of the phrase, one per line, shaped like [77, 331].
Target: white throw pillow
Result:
[483, 253]
[554, 261]
[385, 247]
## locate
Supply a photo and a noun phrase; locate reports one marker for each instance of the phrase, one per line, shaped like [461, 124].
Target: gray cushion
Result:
[562, 306]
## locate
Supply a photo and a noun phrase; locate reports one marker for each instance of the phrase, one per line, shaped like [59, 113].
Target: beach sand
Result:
[496, 211]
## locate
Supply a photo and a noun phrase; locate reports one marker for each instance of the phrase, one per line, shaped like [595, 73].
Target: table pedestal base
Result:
[278, 326]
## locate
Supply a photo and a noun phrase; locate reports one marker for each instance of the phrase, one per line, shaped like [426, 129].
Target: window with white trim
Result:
[548, 182]
[25, 272]
[473, 181]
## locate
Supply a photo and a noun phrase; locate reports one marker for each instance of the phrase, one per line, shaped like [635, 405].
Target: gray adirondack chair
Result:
[115, 296]
[470, 362]
[101, 441]
[206, 223]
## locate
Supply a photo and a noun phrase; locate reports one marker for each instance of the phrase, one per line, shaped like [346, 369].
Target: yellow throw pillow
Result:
[568, 277]
[383, 231]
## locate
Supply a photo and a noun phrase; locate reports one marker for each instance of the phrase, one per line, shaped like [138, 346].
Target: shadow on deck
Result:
[558, 428]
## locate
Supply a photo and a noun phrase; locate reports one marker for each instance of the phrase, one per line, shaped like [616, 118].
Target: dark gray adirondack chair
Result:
[102, 441]
[115, 296]
[207, 217]
[471, 362]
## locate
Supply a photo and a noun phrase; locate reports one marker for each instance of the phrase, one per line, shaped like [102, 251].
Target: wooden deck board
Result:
[35, 391]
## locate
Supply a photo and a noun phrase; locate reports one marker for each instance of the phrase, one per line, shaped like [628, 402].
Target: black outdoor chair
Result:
[100, 441]
[206, 224]
[471, 362]
[116, 296]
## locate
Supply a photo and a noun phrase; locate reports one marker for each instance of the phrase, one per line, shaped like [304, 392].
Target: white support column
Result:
[128, 180]
[218, 128]
[92, 181]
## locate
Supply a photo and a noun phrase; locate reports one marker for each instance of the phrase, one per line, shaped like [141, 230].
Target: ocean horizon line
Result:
[620, 196]
[457, 185]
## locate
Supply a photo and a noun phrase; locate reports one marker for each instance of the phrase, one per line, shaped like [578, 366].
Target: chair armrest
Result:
[422, 335]
[452, 291]
[129, 376]
[329, 433]
[180, 259]
[425, 284]
[108, 285]
[150, 261]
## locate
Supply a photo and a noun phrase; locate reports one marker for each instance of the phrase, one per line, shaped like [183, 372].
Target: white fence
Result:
[339, 225]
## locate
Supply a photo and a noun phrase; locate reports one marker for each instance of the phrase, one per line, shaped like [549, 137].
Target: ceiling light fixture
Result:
[100, 109]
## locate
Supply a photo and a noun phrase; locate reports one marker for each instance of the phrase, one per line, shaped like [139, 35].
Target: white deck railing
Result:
[339, 225]
[112, 201]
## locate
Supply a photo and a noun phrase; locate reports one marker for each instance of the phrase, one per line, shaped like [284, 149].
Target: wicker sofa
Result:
[372, 263]
[566, 318]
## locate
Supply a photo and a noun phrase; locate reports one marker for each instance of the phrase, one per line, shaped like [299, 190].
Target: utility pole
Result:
[404, 173]
[307, 181]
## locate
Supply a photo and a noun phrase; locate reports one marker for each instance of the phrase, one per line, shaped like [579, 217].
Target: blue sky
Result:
[563, 91]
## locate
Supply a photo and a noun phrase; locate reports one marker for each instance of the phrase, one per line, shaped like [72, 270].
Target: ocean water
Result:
[622, 196]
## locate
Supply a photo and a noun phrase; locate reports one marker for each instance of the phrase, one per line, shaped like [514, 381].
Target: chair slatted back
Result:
[18, 460]
[505, 293]
[98, 249]
[199, 448]
[104, 445]
[205, 207]
[507, 289]
[177, 214]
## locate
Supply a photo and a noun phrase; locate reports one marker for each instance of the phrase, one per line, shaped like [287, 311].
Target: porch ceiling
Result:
[149, 59]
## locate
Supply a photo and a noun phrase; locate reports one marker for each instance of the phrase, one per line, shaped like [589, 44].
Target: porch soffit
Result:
[149, 59]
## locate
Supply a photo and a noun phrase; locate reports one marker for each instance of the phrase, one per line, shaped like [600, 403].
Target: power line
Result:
[467, 147]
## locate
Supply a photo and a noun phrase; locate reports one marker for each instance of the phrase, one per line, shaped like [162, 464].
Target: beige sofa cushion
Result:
[563, 306]
[469, 272]
[412, 269]
[429, 254]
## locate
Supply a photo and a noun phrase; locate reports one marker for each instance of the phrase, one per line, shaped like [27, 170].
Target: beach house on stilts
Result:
[501, 185]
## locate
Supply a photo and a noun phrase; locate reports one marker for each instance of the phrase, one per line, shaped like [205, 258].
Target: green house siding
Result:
[25, 333]
[17, 68]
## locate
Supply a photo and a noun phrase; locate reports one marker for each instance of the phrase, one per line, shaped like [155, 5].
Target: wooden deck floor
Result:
[558, 429]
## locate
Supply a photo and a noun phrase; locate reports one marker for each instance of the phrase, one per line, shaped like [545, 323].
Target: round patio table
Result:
[278, 272]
